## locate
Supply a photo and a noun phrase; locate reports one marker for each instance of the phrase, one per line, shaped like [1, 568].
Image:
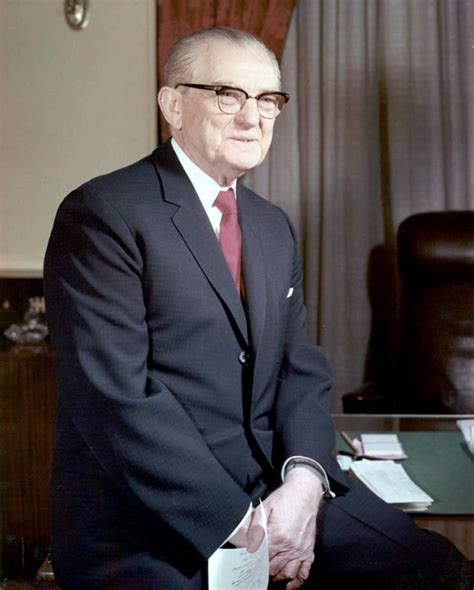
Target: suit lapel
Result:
[193, 225]
[253, 266]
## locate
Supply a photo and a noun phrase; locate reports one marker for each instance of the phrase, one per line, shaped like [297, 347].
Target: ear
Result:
[171, 105]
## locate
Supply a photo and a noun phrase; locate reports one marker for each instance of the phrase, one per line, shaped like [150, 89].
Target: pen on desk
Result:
[360, 457]
[347, 439]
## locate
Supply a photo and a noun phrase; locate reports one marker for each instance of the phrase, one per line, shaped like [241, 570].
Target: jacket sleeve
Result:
[138, 432]
[303, 424]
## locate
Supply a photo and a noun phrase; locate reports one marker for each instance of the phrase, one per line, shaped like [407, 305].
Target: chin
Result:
[245, 163]
[241, 168]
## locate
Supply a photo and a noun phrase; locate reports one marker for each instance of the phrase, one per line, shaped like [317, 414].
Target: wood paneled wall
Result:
[27, 415]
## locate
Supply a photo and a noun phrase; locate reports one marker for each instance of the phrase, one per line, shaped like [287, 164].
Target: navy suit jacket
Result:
[176, 401]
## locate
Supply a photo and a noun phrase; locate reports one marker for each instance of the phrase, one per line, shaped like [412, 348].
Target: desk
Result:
[439, 461]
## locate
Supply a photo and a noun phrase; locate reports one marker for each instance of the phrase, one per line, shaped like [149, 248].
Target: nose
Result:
[248, 116]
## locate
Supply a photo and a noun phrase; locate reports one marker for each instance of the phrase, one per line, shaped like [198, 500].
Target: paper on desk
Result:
[467, 429]
[391, 482]
[237, 569]
[345, 462]
[385, 446]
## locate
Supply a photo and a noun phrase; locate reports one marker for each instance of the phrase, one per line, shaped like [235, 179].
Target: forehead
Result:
[249, 68]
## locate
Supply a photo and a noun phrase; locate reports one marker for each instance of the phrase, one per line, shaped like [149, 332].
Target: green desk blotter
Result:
[441, 464]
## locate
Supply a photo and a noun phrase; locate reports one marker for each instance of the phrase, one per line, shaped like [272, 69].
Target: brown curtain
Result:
[267, 19]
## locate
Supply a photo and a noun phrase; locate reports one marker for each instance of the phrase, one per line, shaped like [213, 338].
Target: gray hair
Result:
[181, 64]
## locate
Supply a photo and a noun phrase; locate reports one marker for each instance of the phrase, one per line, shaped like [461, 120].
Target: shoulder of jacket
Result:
[121, 187]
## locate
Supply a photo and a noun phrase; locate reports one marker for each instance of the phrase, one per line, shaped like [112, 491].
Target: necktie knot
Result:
[226, 202]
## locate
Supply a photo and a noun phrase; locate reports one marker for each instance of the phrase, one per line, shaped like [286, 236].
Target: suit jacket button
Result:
[244, 358]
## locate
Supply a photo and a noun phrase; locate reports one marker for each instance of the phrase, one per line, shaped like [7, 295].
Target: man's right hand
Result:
[291, 511]
[250, 535]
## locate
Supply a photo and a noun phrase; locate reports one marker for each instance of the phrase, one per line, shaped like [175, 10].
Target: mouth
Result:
[243, 140]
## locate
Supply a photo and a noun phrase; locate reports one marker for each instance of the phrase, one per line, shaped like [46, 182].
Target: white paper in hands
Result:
[237, 569]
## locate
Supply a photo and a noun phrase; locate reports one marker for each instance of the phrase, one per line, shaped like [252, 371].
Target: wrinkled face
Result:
[226, 146]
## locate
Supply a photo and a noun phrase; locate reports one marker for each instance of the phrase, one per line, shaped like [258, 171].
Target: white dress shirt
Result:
[206, 187]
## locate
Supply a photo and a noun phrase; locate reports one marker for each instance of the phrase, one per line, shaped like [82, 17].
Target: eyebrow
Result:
[233, 85]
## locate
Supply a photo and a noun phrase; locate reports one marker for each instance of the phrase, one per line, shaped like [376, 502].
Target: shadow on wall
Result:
[383, 288]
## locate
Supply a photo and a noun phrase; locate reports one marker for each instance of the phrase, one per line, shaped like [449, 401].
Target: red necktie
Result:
[230, 236]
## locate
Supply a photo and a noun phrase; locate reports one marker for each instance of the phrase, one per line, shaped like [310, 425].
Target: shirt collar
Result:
[205, 186]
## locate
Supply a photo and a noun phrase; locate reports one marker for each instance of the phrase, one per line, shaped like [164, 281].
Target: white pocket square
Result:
[290, 292]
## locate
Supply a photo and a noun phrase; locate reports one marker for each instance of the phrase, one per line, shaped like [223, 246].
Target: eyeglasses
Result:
[232, 100]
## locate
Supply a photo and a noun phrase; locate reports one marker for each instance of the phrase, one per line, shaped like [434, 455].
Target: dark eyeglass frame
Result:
[220, 88]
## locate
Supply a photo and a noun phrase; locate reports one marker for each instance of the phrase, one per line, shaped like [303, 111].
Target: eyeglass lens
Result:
[231, 101]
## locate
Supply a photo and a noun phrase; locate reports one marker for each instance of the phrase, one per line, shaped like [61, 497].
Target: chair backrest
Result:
[436, 359]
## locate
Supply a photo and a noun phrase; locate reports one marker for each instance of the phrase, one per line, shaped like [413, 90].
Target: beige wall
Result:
[73, 104]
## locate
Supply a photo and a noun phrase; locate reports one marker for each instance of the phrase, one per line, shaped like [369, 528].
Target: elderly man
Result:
[188, 386]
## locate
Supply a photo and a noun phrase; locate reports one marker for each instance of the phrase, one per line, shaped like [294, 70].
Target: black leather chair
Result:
[435, 362]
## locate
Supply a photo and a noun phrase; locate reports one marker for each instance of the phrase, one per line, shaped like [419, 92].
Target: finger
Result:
[305, 568]
[239, 539]
[293, 584]
[280, 561]
[255, 537]
[301, 576]
[289, 571]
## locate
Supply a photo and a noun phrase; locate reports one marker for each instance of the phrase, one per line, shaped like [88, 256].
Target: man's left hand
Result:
[291, 521]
